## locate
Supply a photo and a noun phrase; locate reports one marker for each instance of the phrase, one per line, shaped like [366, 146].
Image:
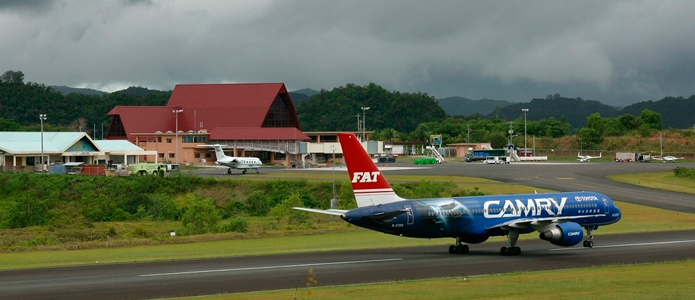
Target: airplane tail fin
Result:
[219, 153]
[369, 185]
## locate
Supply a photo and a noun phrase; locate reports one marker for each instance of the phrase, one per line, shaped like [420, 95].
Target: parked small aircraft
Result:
[239, 163]
[558, 217]
[584, 158]
[668, 158]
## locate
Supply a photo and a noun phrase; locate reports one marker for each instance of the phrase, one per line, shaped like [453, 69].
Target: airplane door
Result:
[409, 214]
[606, 208]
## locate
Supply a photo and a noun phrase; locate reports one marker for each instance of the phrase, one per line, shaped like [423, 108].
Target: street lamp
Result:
[334, 201]
[42, 117]
[359, 124]
[176, 153]
[525, 110]
[364, 122]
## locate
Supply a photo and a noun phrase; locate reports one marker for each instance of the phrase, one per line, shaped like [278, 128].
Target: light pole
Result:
[525, 110]
[359, 124]
[468, 139]
[42, 117]
[364, 122]
[176, 153]
[334, 201]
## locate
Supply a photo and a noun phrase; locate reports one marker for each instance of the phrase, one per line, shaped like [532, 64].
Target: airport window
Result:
[171, 155]
[169, 141]
[197, 155]
[116, 127]
[279, 114]
[161, 155]
[207, 155]
[159, 139]
[195, 139]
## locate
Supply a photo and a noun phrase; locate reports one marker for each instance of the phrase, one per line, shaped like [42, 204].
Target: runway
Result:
[229, 275]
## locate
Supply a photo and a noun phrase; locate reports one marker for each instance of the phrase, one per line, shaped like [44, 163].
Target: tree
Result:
[9, 125]
[651, 119]
[12, 77]
[201, 217]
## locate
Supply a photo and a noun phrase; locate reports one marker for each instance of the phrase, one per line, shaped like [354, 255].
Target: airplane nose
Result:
[616, 213]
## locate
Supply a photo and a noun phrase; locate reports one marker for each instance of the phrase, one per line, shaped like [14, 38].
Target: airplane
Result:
[584, 158]
[558, 217]
[668, 158]
[242, 163]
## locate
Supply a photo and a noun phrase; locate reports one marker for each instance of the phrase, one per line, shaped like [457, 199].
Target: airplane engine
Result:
[565, 234]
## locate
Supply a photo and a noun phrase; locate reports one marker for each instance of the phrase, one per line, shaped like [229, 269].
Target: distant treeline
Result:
[21, 103]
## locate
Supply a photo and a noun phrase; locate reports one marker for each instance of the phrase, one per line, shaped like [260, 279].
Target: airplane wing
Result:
[531, 222]
[334, 212]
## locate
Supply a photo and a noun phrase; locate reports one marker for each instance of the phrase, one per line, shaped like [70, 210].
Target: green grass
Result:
[646, 281]
[659, 180]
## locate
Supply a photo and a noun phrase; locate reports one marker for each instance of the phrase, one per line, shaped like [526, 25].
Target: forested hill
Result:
[459, 106]
[23, 102]
[574, 110]
[675, 112]
[337, 110]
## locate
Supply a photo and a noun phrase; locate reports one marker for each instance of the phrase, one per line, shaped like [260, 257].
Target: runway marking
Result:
[628, 245]
[273, 267]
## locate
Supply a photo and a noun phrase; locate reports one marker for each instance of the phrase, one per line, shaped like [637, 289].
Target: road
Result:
[226, 275]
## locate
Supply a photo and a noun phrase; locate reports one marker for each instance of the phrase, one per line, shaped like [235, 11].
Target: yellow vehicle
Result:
[147, 169]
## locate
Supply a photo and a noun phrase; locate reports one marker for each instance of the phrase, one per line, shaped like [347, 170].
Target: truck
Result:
[476, 155]
[496, 160]
[151, 168]
[632, 156]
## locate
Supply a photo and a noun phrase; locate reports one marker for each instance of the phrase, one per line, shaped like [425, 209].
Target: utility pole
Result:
[42, 117]
[176, 153]
[364, 122]
[525, 110]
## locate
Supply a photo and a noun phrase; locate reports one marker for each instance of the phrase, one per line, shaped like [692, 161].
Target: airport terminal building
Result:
[251, 119]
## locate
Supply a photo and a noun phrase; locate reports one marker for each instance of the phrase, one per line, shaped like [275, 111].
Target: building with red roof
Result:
[252, 119]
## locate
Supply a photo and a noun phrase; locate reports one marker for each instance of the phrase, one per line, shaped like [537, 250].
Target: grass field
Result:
[661, 180]
[647, 281]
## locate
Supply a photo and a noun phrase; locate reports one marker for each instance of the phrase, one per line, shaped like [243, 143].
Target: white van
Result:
[495, 160]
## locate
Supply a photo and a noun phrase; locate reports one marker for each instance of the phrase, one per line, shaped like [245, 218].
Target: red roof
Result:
[264, 133]
[224, 105]
[145, 119]
[227, 111]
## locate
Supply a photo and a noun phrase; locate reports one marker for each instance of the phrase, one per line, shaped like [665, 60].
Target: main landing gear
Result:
[589, 243]
[458, 248]
[512, 250]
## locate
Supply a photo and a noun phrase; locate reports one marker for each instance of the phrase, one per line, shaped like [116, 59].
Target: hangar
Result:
[251, 119]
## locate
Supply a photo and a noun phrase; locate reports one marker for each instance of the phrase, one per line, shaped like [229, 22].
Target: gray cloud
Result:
[617, 52]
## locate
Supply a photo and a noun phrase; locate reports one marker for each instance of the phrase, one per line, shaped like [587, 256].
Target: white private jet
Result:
[668, 158]
[584, 158]
[239, 163]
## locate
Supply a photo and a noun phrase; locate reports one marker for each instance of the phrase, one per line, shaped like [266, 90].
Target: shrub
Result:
[200, 217]
[238, 224]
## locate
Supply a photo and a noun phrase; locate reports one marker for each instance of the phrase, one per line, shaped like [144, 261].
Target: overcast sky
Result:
[617, 52]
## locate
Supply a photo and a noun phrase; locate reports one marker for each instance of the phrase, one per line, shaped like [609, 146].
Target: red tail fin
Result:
[370, 186]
